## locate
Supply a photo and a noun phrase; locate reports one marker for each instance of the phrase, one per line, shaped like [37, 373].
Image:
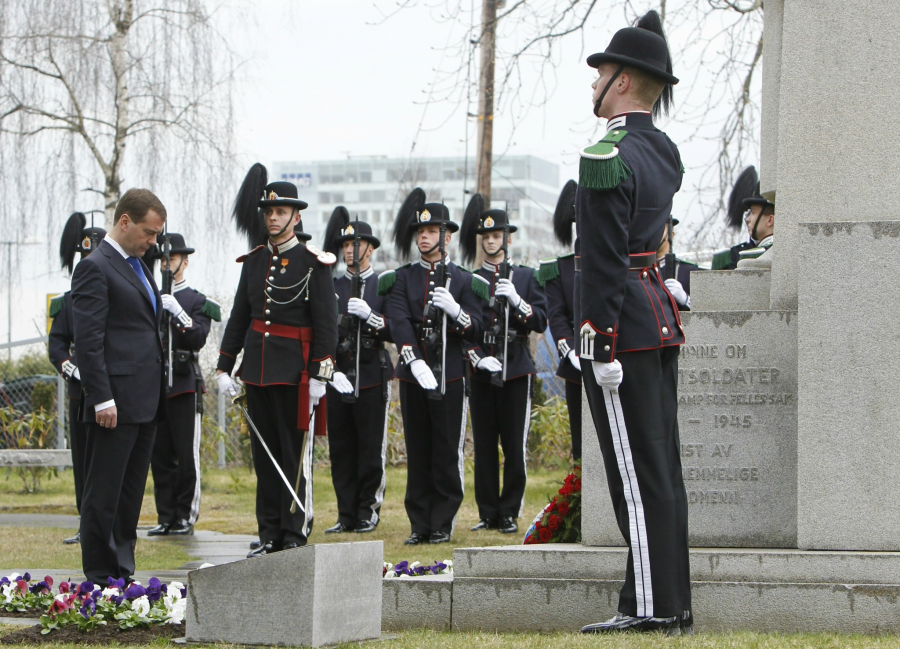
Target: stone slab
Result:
[417, 603]
[311, 596]
[737, 415]
[730, 290]
[35, 457]
[849, 348]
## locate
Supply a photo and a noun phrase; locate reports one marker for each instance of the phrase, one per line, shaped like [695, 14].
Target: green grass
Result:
[227, 506]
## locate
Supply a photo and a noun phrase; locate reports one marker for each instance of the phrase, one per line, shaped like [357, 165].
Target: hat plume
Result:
[744, 187]
[468, 237]
[71, 237]
[405, 225]
[248, 217]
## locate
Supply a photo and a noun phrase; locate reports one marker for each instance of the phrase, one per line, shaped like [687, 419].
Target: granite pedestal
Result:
[312, 596]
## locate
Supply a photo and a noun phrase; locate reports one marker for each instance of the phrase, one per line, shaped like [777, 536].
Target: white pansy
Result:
[176, 612]
[413, 565]
[390, 574]
[7, 591]
[449, 562]
[62, 597]
[174, 589]
[110, 591]
[403, 576]
[14, 576]
[141, 605]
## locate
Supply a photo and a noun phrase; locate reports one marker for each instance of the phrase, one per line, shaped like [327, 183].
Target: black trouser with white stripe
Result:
[573, 404]
[435, 432]
[504, 414]
[638, 433]
[176, 462]
[357, 444]
[273, 408]
[78, 444]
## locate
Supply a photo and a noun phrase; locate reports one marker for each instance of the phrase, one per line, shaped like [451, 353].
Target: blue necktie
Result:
[136, 264]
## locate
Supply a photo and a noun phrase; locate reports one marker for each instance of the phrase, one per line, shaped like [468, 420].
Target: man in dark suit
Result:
[119, 355]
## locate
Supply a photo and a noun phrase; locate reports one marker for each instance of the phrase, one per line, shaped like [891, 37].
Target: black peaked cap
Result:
[638, 48]
[282, 193]
[493, 221]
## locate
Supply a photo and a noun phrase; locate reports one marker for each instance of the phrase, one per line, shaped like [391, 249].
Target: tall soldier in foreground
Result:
[504, 370]
[629, 325]
[357, 421]
[557, 277]
[283, 319]
[76, 237]
[435, 319]
[175, 463]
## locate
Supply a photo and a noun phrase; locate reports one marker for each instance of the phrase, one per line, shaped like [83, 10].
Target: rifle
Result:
[167, 281]
[438, 336]
[353, 324]
[500, 306]
[670, 271]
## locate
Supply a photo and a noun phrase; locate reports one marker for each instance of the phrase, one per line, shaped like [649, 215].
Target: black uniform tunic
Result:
[434, 430]
[357, 432]
[61, 348]
[175, 462]
[270, 308]
[627, 314]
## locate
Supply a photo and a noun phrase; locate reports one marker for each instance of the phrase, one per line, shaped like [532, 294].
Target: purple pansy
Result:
[85, 587]
[26, 576]
[134, 591]
[154, 590]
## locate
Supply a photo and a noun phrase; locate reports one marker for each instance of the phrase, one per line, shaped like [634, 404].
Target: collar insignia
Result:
[86, 244]
[489, 222]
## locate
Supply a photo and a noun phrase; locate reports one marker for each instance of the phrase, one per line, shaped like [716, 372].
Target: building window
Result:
[366, 177]
[324, 197]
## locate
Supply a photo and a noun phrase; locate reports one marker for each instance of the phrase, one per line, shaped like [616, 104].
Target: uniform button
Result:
[605, 347]
[268, 300]
[271, 277]
[268, 311]
[268, 322]
[274, 256]
[269, 289]
[267, 334]
[665, 330]
[431, 283]
[431, 272]
[271, 267]
[609, 330]
[644, 275]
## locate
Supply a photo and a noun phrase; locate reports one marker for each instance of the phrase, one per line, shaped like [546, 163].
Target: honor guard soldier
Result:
[283, 319]
[746, 206]
[557, 276]
[175, 462]
[679, 285]
[503, 368]
[435, 321]
[630, 328]
[357, 420]
[76, 237]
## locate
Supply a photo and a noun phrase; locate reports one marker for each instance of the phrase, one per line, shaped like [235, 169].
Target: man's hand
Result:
[444, 301]
[107, 417]
[423, 374]
[316, 392]
[227, 386]
[677, 291]
[574, 360]
[170, 304]
[358, 308]
[608, 375]
[490, 364]
[341, 383]
[506, 289]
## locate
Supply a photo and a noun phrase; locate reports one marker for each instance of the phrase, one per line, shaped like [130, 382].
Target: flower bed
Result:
[405, 569]
[86, 607]
[560, 520]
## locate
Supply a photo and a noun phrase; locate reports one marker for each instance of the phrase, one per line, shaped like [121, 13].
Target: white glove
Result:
[608, 375]
[490, 364]
[677, 291]
[506, 289]
[443, 300]
[340, 382]
[170, 304]
[423, 374]
[574, 360]
[227, 386]
[359, 308]
[316, 392]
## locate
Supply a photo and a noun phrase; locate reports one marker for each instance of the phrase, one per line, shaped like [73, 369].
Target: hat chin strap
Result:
[282, 230]
[606, 90]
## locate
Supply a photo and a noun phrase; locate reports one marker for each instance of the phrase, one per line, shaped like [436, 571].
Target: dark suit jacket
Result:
[119, 353]
[61, 346]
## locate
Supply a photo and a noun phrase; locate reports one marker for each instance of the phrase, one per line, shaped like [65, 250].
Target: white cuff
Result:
[184, 319]
[104, 405]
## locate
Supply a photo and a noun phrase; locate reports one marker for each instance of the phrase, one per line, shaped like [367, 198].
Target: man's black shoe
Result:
[485, 524]
[268, 547]
[182, 528]
[364, 527]
[72, 540]
[626, 623]
[439, 537]
[415, 539]
[340, 528]
[687, 623]
[507, 525]
[160, 530]
[255, 544]
[290, 545]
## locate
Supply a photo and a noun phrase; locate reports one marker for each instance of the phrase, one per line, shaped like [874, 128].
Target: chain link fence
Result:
[30, 393]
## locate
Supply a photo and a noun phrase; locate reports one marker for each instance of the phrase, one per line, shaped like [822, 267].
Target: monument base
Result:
[563, 587]
[311, 596]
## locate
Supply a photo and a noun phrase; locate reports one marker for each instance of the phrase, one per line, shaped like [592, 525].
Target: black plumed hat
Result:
[246, 212]
[743, 189]
[468, 233]
[176, 243]
[340, 229]
[644, 47]
[415, 213]
[564, 215]
[282, 193]
[757, 199]
[78, 238]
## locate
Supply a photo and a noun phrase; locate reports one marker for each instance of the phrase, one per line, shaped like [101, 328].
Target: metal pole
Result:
[61, 407]
[221, 416]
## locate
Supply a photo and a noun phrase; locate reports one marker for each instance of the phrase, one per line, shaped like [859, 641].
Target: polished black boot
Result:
[364, 527]
[415, 539]
[687, 623]
[160, 530]
[269, 547]
[485, 524]
[182, 528]
[439, 537]
[255, 544]
[507, 525]
[626, 623]
[72, 540]
[339, 528]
